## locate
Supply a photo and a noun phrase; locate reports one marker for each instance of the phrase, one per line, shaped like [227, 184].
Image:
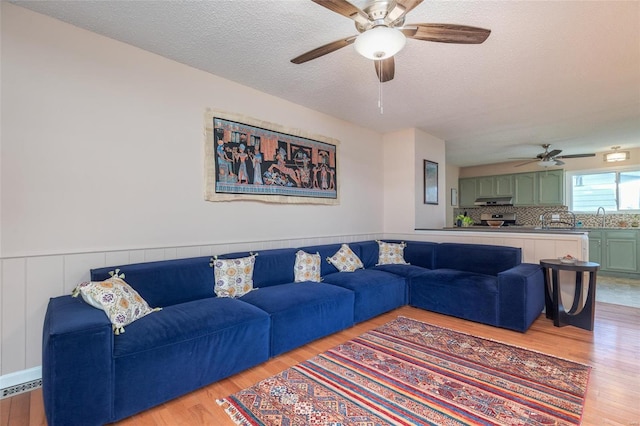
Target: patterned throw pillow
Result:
[345, 260]
[122, 304]
[391, 253]
[233, 277]
[307, 267]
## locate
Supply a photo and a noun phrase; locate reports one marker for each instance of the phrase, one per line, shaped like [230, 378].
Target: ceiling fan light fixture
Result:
[547, 163]
[380, 42]
[616, 155]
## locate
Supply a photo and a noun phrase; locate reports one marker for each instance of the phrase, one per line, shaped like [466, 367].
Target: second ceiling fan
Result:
[383, 33]
[550, 158]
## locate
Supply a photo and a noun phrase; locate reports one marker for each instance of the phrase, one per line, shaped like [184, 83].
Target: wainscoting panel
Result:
[13, 315]
[44, 279]
[27, 284]
[76, 268]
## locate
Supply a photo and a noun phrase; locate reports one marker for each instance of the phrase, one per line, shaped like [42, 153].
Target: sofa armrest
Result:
[77, 363]
[521, 296]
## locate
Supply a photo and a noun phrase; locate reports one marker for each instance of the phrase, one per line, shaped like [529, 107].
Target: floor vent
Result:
[21, 388]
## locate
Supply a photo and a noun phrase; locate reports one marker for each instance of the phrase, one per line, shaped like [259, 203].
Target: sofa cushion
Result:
[233, 277]
[302, 312]
[367, 252]
[375, 291]
[185, 321]
[420, 253]
[166, 282]
[406, 271]
[272, 267]
[185, 347]
[345, 260]
[307, 267]
[457, 293]
[477, 258]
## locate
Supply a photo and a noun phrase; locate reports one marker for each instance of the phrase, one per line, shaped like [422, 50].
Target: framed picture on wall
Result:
[454, 197]
[430, 182]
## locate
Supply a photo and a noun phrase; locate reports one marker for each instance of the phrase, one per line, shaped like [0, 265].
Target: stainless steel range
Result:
[509, 219]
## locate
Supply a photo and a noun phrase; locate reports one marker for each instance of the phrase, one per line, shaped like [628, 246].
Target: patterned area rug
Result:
[411, 373]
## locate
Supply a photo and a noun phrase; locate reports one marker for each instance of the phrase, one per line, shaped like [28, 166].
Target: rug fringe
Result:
[498, 341]
[236, 416]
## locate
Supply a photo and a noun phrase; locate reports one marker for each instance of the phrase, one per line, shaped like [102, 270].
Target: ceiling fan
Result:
[550, 158]
[383, 33]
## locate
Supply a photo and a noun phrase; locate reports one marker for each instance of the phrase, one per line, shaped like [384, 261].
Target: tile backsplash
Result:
[530, 216]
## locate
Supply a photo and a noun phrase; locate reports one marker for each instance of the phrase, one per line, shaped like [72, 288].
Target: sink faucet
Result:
[603, 215]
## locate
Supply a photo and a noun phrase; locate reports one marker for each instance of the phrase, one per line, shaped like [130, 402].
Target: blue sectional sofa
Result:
[91, 376]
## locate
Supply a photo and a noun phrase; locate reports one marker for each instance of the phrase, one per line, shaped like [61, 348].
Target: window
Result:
[613, 190]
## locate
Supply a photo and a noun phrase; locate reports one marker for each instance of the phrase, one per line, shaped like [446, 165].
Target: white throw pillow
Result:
[233, 277]
[391, 253]
[345, 259]
[307, 267]
[122, 304]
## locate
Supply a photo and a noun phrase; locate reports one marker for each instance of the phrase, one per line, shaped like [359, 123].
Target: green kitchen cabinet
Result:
[485, 186]
[525, 189]
[551, 188]
[621, 250]
[467, 192]
[616, 250]
[494, 186]
[544, 188]
[595, 247]
[503, 185]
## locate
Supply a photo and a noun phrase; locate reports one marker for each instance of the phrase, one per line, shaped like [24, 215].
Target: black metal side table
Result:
[582, 310]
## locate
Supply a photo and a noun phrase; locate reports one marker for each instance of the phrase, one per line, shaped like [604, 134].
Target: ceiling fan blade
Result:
[576, 155]
[401, 8]
[553, 153]
[323, 50]
[344, 8]
[526, 162]
[408, 32]
[450, 33]
[385, 69]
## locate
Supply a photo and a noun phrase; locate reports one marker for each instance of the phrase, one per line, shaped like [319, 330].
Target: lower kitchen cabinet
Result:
[616, 250]
[595, 247]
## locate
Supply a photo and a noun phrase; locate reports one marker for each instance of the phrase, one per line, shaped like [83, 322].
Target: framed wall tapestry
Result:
[249, 159]
[430, 182]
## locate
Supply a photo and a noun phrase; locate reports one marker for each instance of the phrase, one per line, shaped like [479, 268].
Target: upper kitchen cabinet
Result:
[504, 185]
[526, 189]
[467, 192]
[494, 186]
[551, 187]
[544, 188]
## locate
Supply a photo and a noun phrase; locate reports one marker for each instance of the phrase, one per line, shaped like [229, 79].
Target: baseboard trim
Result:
[19, 382]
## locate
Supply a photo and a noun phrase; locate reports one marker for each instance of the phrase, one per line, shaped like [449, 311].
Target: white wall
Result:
[102, 163]
[451, 181]
[404, 208]
[427, 147]
[399, 172]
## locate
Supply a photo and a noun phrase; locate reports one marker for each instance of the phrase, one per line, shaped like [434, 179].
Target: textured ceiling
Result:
[559, 72]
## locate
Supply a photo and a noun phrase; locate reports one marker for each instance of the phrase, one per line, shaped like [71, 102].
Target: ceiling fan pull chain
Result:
[380, 100]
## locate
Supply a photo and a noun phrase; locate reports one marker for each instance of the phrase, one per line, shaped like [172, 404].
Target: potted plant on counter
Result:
[464, 220]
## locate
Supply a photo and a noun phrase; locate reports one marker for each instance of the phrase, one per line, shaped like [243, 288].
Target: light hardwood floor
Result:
[612, 349]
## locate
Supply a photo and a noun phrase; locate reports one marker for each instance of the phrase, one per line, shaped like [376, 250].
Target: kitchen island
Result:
[535, 243]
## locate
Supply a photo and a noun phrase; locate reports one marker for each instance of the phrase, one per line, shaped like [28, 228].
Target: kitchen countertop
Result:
[528, 229]
[512, 229]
